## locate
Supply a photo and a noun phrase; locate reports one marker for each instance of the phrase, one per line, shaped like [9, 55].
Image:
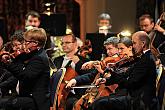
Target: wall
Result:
[123, 13]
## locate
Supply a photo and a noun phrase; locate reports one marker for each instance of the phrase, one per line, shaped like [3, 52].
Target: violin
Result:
[7, 53]
[100, 91]
[106, 62]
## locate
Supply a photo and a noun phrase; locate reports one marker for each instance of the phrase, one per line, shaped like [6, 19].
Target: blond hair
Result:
[37, 35]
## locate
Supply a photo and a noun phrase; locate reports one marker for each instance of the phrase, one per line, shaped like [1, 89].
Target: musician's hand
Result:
[87, 65]
[98, 67]
[5, 57]
[71, 83]
[100, 81]
[74, 58]
[159, 28]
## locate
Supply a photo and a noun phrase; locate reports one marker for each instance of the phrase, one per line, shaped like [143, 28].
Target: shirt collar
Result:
[146, 51]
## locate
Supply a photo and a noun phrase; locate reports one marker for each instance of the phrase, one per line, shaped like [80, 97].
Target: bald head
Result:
[140, 41]
[142, 36]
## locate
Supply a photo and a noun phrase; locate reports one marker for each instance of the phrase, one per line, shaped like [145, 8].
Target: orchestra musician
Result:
[139, 81]
[156, 29]
[104, 23]
[70, 48]
[7, 81]
[31, 68]
[112, 50]
[32, 19]
[146, 23]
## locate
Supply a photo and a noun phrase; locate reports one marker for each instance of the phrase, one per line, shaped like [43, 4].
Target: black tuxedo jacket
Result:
[140, 79]
[7, 81]
[59, 60]
[58, 63]
[34, 78]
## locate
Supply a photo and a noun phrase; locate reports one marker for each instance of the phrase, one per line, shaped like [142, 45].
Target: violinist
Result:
[7, 81]
[70, 48]
[112, 50]
[32, 71]
[139, 80]
[111, 47]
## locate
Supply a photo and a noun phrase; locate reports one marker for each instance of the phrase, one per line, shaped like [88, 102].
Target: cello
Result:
[61, 91]
[97, 91]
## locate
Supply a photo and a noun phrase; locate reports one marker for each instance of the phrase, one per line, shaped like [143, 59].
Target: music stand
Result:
[55, 24]
[97, 40]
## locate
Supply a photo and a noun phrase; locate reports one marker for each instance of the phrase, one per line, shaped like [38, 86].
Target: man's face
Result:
[17, 45]
[146, 25]
[137, 45]
[123, 49]
[32, 21]
[104, 22]
[68, 45]
[111, 50]
[30, 45]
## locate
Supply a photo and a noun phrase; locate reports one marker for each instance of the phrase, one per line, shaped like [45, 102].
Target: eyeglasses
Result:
[62, 43]
[29, 41]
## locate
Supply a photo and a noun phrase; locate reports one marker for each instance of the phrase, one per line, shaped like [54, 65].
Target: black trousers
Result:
[17, 103]
[120, 102]
[111, 103]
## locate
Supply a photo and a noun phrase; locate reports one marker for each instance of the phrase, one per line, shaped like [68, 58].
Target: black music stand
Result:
[55, 24]
[97, 40]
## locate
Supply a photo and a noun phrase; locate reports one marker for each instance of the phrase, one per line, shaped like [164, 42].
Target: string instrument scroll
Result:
[153, 34]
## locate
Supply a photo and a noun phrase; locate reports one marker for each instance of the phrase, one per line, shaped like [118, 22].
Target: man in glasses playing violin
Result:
[31, 68]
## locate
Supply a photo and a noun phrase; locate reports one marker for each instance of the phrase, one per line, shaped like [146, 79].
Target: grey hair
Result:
[104, 16]
[112, 40]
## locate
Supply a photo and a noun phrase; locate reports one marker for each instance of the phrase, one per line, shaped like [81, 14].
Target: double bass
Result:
[97, 91]
[152, 36]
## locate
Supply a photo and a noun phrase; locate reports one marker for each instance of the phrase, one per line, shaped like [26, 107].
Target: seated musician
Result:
[156, 33]
[139, 80]
[112, 50]
[31, 68]
[8, 82]
[73, 60]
